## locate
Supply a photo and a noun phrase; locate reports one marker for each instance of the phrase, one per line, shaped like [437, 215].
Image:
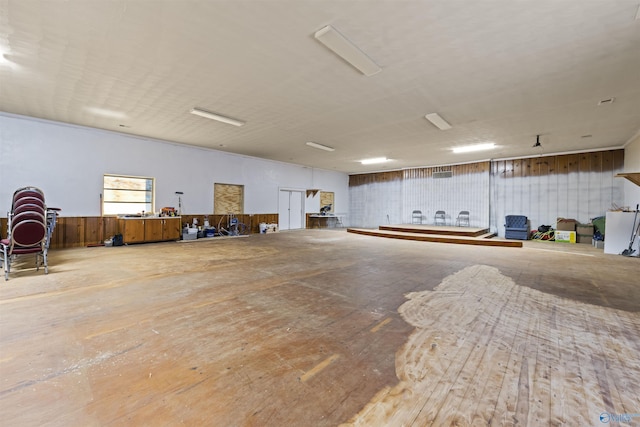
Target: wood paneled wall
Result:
[252, 221]
[456, 170]
[373, 178]
[600, 161]
[74, 232]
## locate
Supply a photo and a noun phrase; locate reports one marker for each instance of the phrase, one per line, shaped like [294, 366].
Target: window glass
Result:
[127, 195]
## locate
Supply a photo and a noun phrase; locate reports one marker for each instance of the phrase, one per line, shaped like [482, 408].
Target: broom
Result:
[634, 233]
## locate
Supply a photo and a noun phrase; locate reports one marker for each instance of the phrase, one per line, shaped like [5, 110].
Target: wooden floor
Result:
[321, 328]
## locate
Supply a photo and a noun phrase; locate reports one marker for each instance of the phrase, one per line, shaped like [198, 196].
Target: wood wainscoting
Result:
[77, 231]
[80, 231]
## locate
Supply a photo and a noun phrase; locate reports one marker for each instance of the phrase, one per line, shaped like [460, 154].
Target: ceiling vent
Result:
[445, 174]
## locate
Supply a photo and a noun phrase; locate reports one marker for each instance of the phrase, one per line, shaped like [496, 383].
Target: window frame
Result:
[142, 205]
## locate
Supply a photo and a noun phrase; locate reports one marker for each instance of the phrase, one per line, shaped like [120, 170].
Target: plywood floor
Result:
[321, 328]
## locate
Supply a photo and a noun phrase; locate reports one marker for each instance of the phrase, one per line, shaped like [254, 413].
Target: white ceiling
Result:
[497, 70]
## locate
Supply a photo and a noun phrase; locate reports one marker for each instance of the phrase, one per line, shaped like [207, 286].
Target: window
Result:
[228, 198]
[127, 195]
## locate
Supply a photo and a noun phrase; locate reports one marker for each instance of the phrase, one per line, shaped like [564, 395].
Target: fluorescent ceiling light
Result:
[320, 146]
[475, 147]
[4, 57]
[438, 121]
[112, 114]
[331, 38]
[209, 115]
[374, 160]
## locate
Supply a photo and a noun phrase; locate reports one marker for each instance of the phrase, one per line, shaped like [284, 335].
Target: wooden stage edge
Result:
[472, 236]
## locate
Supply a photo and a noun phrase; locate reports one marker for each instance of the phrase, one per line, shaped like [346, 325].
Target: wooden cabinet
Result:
[141, 230]
[153, 230]
[132, 230]
[171, 228]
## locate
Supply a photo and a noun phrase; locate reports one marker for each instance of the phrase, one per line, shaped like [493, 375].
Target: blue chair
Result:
[516, 227]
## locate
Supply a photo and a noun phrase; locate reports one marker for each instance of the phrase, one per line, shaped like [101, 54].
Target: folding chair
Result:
[463, 219]
[416, 217]
[440, 218]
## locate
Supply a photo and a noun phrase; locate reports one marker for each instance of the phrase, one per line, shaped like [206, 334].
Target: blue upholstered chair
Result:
[516, 227]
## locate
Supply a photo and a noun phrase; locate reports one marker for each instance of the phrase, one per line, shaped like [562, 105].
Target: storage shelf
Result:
[631, 176]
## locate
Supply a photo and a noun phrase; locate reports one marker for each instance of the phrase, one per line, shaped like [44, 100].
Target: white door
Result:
[290, 210]
[295, 210]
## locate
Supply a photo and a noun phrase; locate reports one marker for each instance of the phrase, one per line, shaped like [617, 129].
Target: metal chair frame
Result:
[440, 217]
[463, 219]
[30, 225]
[416, 215]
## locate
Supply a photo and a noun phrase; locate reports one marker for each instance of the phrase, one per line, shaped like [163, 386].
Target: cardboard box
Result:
[584, 233]
[269, 228]
[565, 236]
[566, 224]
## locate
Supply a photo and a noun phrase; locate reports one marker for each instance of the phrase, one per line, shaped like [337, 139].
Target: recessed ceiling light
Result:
[438, 121]
[341, 46]
[213, 116]
[374, 160]
[320, 146]
[475, 147]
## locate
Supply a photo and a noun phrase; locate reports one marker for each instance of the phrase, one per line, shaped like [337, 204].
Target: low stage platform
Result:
[440, 234]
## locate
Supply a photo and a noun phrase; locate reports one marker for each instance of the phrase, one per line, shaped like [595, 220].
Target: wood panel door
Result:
[153, 230]
[132, 230]
[171, 228]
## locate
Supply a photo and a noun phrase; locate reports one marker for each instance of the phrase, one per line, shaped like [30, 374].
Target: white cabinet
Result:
[618, 232]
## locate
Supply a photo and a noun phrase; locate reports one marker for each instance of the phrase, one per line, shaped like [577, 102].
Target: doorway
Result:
[291, 210]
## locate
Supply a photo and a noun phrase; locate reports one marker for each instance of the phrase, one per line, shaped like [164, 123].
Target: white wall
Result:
[461, 192]
[68, 162]
[375, 204]
[632, 164]
[579, 195]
